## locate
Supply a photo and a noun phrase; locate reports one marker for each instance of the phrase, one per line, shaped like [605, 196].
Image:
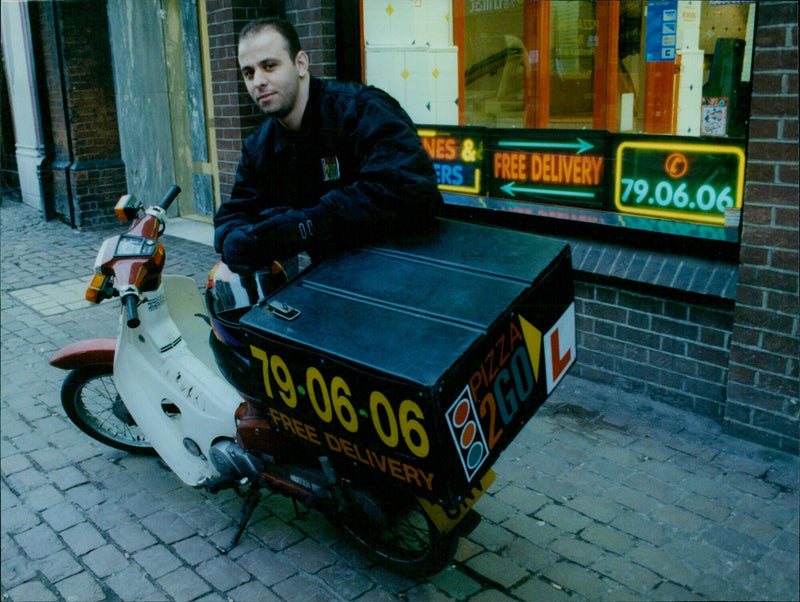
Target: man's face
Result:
[272, 76]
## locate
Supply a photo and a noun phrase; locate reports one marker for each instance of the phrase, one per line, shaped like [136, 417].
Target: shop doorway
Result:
[159, 76]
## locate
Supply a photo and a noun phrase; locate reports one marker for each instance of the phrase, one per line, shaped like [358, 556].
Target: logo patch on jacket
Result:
[330, 168]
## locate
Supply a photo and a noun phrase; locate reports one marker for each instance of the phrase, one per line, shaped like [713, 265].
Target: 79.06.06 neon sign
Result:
[684, 181]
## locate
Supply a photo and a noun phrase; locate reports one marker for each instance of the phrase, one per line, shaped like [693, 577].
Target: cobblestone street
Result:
[604, 495]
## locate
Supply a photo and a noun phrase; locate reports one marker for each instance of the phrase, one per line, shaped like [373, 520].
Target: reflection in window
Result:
[494, 64]
[573, 40]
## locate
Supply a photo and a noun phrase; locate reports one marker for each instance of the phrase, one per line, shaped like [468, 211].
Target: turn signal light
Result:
[127, 208]
[99, 289]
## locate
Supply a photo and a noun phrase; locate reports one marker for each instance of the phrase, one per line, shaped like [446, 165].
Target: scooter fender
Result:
[85, 354]
[447, 519]
[181, 403]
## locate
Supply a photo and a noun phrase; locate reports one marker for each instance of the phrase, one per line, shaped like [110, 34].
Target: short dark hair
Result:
[282, 26]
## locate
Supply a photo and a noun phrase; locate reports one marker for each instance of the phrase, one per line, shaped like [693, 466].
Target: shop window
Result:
[652, 67]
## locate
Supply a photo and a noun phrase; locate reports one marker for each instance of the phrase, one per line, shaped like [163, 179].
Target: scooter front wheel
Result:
[92, 402]
[397, 532]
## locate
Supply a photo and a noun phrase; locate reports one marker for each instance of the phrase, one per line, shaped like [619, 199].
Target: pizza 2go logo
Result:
[476, 428]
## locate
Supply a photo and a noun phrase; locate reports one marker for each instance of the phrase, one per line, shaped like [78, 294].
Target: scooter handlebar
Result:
[131, 302]
[171, 196]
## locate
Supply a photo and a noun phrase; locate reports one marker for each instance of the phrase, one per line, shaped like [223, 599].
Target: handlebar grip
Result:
[131, 310]
[171, 196]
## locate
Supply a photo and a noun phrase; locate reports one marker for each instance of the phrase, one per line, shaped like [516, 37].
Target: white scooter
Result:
[157, 387]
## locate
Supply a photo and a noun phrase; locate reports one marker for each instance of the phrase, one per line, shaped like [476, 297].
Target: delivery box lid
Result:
[409, 309]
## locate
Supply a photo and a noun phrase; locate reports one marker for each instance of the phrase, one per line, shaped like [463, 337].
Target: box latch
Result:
[283, 310]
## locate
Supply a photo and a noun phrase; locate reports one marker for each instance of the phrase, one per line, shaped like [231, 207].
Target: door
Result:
[161, 108]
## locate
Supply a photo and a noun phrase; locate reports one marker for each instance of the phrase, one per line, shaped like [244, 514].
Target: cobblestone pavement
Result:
[604, 495]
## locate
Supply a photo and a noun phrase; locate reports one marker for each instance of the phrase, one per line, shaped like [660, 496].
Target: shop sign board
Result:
[554, 166]
[676, 185]
[457, 156]
[682, 180]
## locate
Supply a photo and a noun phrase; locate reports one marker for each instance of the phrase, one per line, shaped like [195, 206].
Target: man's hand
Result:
[285, 233]
[288, 232]
[241, 251]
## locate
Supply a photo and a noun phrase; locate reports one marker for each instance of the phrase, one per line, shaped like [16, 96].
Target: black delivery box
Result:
[419, 360]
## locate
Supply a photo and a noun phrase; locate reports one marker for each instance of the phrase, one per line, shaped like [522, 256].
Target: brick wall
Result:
[315, 21]
[88, 173]
[763, 383]
[669, 349]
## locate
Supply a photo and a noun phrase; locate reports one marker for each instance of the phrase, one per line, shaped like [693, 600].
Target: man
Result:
[334, 165]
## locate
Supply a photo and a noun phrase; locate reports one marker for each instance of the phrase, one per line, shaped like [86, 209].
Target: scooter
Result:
[158, 388]
[378, 386]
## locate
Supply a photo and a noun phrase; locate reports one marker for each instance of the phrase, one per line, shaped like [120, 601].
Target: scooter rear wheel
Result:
[92, 402]
[398, 533]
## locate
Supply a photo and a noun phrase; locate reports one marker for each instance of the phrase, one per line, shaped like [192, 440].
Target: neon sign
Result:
[684, 181]
[457, 157]
[553, 167]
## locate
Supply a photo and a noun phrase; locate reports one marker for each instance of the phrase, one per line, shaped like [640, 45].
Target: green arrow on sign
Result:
[511, 188]
[581, 145]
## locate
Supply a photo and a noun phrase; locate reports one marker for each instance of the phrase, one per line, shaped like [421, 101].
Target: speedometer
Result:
[134, 246]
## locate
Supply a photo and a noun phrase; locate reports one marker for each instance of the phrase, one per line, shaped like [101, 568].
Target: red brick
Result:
[782, 302]
[768, 82]
[773, 151]
[770, 37]
[752, 296]
[770, 194]
[789, 83]
[775, 15]
[753, 358]
[790, 129]
[783, 259]
[757, 215]
[788, 174]
[756, 256]
[760, 171]
[779, 281]
[786, 217]
[747, 336]
[778, 59]
[764, 128]
[769, 105]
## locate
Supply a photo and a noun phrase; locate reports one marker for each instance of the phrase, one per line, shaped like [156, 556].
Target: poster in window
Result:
[662, 25]
[714, 117]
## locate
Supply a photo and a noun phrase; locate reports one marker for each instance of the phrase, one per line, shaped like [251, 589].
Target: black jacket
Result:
[356, 168]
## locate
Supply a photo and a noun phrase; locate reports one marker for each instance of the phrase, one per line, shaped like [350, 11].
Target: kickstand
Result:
[250, 503]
